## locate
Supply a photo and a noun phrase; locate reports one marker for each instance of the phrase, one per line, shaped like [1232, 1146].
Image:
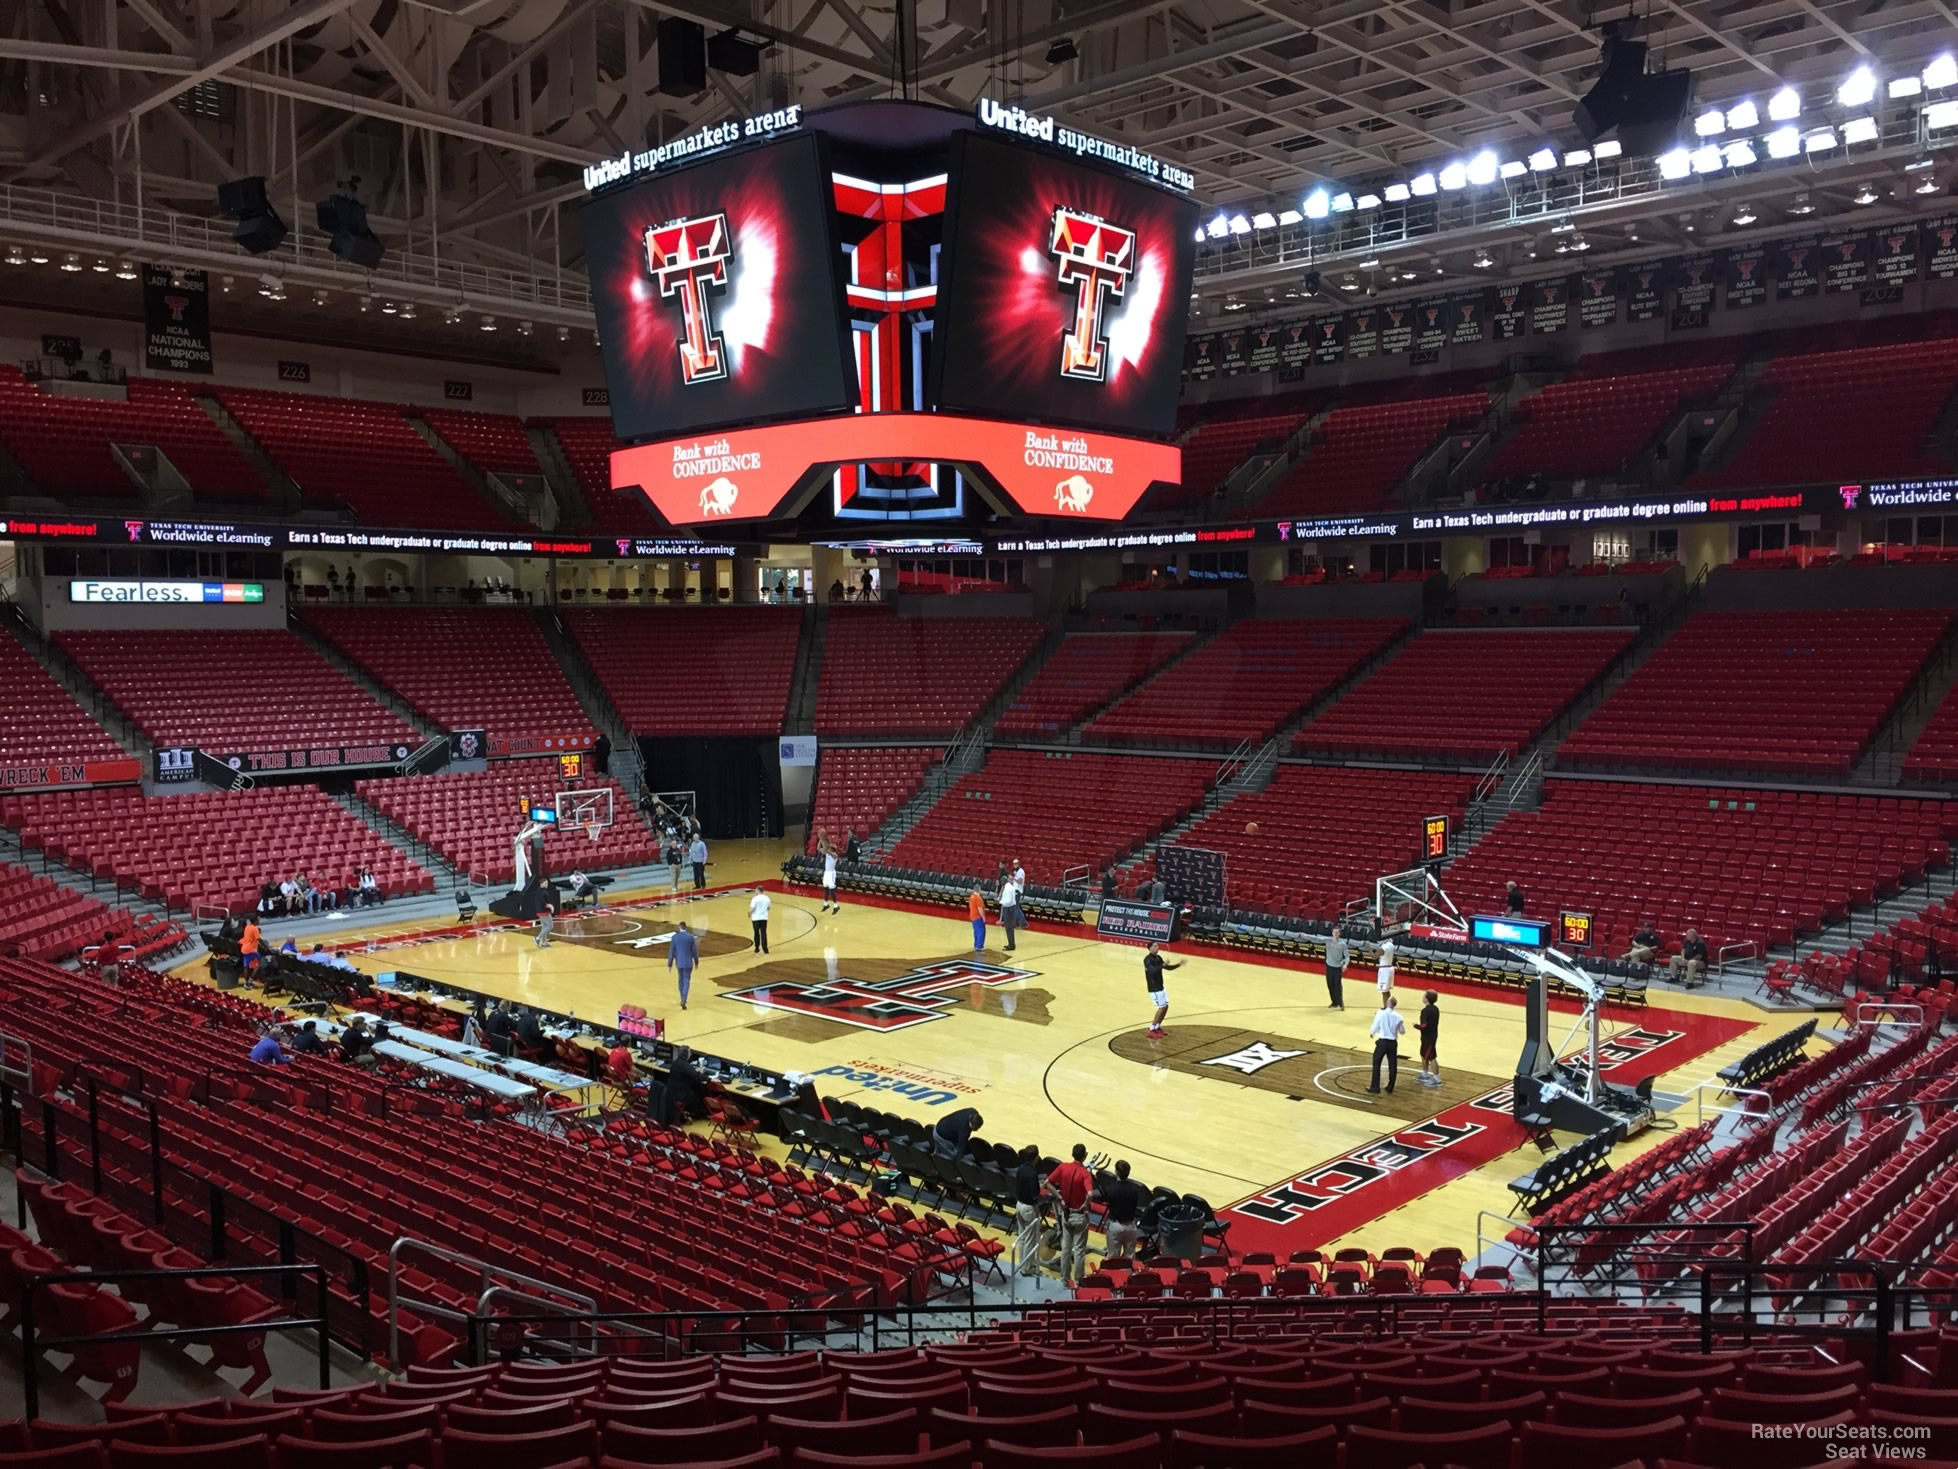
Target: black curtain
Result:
[737, 783]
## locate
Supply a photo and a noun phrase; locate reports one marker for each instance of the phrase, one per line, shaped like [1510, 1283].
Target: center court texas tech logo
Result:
[687, 258]
[923, 994]
[1095, 258]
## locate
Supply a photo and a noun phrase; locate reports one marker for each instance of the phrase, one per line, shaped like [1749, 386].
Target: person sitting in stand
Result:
[1690, 961]
[290, 899]
[368, 889]
[1645, 943]
[356, 1045]
[685, 1086]
[852, 848]
[290, 948]
[308, 1042]
[530, 1034]
[498, 1028]
[267, 1051]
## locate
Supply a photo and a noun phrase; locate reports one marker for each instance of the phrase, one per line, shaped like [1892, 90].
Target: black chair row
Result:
[1564, 1173]
[1768, 1059]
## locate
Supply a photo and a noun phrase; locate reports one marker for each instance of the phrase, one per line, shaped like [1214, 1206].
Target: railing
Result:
[495, 1283]
[33, 1343]
[1701, 1111]
[1079, 876]
[1232, 763]
[1736, 949]
[432, 756]
[1491, 780]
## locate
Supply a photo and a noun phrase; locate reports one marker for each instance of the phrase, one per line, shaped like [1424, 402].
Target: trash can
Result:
[1179, 1231]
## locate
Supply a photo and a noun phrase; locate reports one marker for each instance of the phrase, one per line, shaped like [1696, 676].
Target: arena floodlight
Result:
[1577, 158]
[1422, 185]
[1941, 115]
[1785, 105]
[1859, 130]
[1482, 169]
[1819, 141]
[1784, 142]
[1943, 72]
[1396, 193]
[1289, 216]
[1901, 88]
[1454, 176]
[1219, 227]
[1675, 164]
[1743, 116]
[1240, 225]
[1513, 168]
[1342, 203]
[1318, 204]
[1740, 154]
[1858, 88]
[1543, 160]
[1710, 124]
[1707, 159]
[1609, 148]
[1264, 219]
[1367, 201]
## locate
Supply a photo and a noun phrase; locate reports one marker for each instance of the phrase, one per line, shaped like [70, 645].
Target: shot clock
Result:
[1574, 930]
[1434, 838]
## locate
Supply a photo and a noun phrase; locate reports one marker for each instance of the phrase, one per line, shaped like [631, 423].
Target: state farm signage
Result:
[747, 474]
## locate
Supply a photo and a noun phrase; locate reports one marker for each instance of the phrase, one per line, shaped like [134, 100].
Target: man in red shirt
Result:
[1071, 1183]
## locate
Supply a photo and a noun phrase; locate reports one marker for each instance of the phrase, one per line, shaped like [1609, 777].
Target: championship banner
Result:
[1465, 318]
[1942, 243]
[1327, 334]
[1231, 350]
[1694, 286]
[1895, 250]
[318, 757]
[1745, 271]
[1845, 263]
[1396, 330]
[1431, 324]
[1363, 333]
[51, 774]
[1645, 291]
[1597, 303]
[747, 474]
[176, 320]
[1200, 358]
[1509, 311]
[1551, 312]
[1796, 269]
[1295, 344]
[1263, 356]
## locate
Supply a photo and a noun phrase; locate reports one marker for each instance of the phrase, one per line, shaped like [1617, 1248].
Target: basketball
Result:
[1250, 828]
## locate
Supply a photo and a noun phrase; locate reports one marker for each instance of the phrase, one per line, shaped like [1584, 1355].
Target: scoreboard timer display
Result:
[1434, 838]
[1574, 930]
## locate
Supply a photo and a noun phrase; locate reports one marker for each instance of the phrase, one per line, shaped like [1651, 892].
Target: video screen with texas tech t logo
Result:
[1065, 292]
[718, 296]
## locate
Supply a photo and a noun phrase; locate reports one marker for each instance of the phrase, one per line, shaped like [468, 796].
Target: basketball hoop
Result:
[593, 831]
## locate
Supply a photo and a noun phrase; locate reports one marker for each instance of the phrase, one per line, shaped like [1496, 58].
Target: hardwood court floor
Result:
[1257, 1085]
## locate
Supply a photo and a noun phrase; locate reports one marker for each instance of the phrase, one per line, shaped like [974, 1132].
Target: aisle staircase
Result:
[625, 765]
[105, 711]
[379, 692]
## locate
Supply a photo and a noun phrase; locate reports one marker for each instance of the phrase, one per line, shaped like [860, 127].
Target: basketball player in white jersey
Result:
[830, 905]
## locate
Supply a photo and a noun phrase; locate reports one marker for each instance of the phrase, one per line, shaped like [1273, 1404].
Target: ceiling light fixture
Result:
[1740, 154]
[1819, 141]
[1785, 105]
[1513, 168]
[407, 310]
[1865, 195]
[1482, 169]
[1289, 216]
[1422, 185]
[1675, 164]
[71, 262]
[1318, 204]
[1941, 115]
[125, 270]
[1342, 204]
[1707, 159]
[1482, 260]
[1543, 160]
[1577, 158]
[16, 255]
[1784, 142]
[1367, 201]
[101, 266]
[1902, 87]
[1857, 89]
[1240, 225]
[1710, 124]
[1743, 116]
[1264, 219]
[1609, 148]
[1745, 215]
[489, 324]
[1454, 176]
[1926, 185]
[38, 254]
[1942, 73]
[1397, 193]
[1802, 205]
[1579, 244]
[1859, 130]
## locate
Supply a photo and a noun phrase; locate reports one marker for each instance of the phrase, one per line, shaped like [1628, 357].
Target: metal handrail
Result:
[1900, 1012]
[1698, 1092]
[1738, 946]
[493, 1277]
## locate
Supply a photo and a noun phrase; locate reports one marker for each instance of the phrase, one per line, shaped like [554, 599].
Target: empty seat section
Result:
[212, 848]
[63, 441]
[41, 721]
[886, 675]
[471, 817]
[1934, 758]
[588, 444]
[1244, 683]
[1054, 811]
[1601, 417]
[490, 441]
[1739, 865]
[41, 919]
[1822, 415]
[232, 693]
[1323, 835]
[858, 787]
[463, 668]
[1228, 437]
[1785, 692]
[693, 671]
[1085, 672]
[1358, 454]
[365, 456]
[1499, 689]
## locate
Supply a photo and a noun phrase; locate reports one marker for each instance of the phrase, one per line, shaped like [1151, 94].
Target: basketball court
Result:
[1256, 1098]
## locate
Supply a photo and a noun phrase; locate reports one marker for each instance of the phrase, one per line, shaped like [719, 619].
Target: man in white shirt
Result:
[830, 905]
[1019, 875]
[1010, 916]
[289, 894]
[1387, 1030]
[758, 907]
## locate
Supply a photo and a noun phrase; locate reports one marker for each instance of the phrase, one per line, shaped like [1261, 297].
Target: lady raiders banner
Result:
[1942, 243]
[1746, 274]
[1895, 250]
[1200, 358]
[1431, 324]
[1796, 272]
[1509, 310]
[1396, 329]
[1597, 302]
[1845, 263]
[1552, 310]
[1465, 317]
[1645, 291]
[1231, 350]
[1693, 289]
[176, 320]
[1363, 333]
[1296, 342]
[1327, 335]
[1263, 355]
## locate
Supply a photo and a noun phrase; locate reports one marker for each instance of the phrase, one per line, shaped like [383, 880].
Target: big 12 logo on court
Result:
[1096, 259]
[688, 258]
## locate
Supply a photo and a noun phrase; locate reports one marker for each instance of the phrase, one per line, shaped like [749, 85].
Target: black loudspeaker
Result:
[362, 250]
[1647, 110]
[728, 53]
[243, 196]
[682, 57]
[260, 233]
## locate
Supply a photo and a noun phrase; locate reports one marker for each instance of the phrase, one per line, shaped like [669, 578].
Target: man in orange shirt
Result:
[248, 944]
[1071, 1183]
[975, 909]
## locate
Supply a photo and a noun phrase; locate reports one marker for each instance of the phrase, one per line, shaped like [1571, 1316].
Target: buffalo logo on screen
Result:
[1074, 493]
[689, 258]
[718, 496]
[1096, 258]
